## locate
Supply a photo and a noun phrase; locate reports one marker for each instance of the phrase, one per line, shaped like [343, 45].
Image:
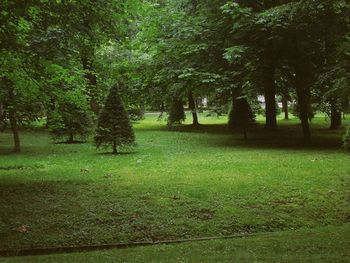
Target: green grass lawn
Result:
[188, 182]
[328, 244]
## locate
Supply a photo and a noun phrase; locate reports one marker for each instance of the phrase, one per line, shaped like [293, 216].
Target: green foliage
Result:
[136, 113]
[114, 128]
[210, 48]
[71, 118]
[48, 47]
[15, 78]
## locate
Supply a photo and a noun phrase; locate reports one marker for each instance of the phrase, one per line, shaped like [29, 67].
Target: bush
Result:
[346, 140]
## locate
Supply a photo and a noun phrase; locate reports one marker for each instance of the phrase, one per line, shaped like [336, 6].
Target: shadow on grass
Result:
[116, 154]
[73, 142]
[286, 136]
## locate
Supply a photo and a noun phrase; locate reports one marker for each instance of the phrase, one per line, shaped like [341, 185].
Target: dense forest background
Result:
[59, 60]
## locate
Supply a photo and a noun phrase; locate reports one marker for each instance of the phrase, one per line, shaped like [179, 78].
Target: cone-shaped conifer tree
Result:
[176, 112]
[241, 116]
[114, 127]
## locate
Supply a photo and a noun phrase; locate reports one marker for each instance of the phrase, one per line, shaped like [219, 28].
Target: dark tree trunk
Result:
[115, 147]
[13, 117]
[2, 117]
[14, 128]
[193, 109]
[51, 108]
[71, 138]
[245, 133]
[2, 113]
[285, 106]
[345, 106]
[92, 83]
[269, 93]
[336, 118]
[303, 93]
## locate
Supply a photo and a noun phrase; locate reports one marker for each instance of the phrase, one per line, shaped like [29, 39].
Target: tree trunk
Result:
[13, 117]
[245, 133]
[303, 92]
[192, 106]
[71, 138]
[14, 128]
[115, 147]
[92, 83]
[51, 108]
[2, 117]
[2, 113]
[336, 118]
[285, 106]
[270, 94]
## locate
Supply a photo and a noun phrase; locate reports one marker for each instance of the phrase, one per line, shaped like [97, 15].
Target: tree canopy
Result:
[174, 53]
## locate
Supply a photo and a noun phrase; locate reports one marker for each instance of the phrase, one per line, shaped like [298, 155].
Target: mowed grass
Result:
[188, 182]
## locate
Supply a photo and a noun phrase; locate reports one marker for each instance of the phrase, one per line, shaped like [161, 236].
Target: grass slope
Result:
[189, 182]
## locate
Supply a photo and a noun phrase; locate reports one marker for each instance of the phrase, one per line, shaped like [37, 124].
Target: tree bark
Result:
[2, 117]
[13, 117]
[303, 92]
[71, 138]
[193, 109]
[51, 108]
[245, 133]
[2, 113]
[115, 147]
[269, 93]
[336, 117]
[92, 83]
[285, 106]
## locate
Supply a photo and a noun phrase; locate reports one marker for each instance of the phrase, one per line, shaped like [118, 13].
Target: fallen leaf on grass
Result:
[22, 228]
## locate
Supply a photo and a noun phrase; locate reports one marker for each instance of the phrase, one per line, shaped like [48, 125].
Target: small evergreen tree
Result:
[346, 140]
[114, 127]
[240, 116]
[71, 118]
[176, 112]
